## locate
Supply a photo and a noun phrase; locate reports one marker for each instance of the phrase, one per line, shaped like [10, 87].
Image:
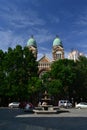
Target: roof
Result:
[57, 41]
[31, 42]
[44, 59]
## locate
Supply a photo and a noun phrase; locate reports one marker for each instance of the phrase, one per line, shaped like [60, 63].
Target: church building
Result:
[44, 64]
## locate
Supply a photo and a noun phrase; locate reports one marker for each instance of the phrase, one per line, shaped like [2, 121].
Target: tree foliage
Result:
[80, 83]
[19, 77]
[17, 67]
[68, 79]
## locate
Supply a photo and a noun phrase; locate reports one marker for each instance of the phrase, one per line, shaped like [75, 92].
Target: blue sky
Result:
[44, 19]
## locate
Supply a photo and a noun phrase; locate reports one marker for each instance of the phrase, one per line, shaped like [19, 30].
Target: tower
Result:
[57, 50]
[31, 44]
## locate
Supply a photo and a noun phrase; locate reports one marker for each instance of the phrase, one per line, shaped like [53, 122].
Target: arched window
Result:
[58, 55]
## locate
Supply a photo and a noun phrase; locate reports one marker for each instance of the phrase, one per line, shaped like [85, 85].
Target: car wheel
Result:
[11, 106]
[79, 107]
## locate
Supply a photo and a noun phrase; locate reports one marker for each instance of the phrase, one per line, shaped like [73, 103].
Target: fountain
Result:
[46, 107]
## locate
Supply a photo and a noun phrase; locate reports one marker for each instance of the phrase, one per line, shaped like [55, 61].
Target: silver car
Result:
[13, 104]
[81, 105]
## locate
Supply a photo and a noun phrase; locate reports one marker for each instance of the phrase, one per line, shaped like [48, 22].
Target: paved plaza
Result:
[66, 119]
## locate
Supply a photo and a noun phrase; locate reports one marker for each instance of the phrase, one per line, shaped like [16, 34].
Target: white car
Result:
[13, 104]
[64, 103]
[81, 105]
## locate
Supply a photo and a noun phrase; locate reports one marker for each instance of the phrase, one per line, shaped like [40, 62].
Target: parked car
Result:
[64, 103]
[81, 105]
[13, 105]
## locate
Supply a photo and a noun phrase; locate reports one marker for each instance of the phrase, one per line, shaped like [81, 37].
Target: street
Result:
[67, 119]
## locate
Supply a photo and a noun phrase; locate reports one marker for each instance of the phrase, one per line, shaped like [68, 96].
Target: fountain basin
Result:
[46, 109]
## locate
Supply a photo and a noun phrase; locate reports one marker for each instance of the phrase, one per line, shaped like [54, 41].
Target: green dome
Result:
[31, 42]
[57, 42]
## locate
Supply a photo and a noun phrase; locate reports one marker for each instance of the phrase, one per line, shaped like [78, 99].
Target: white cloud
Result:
[35, 2]
[20, 19]
[53, 18]
[8, 39]
[66, 54]
[44, 38]
[19, 24]
[82, 19]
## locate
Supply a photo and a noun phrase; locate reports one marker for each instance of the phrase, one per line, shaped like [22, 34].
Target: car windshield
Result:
[15, 102]
[83, 103]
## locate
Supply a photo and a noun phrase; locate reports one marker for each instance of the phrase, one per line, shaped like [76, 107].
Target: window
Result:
[59, 55]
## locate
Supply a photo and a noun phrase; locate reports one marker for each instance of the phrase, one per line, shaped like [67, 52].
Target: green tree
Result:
[2, 77]
[35, 89]
[19, 66]
[80, 83]
[59, 80]
[63, 70]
